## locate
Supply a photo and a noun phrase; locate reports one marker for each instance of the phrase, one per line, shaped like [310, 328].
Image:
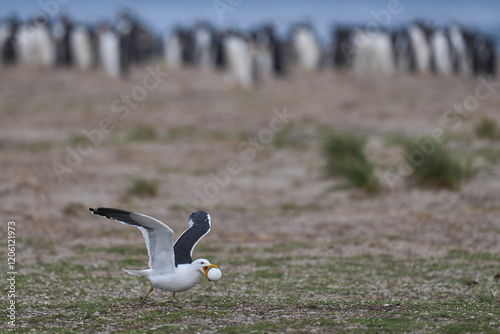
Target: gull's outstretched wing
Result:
[159, 237]
[199, 225]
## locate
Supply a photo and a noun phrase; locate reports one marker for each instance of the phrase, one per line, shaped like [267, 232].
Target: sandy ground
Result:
[203, 124]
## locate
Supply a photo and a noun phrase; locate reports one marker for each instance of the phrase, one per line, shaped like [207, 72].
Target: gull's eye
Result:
[202, 262]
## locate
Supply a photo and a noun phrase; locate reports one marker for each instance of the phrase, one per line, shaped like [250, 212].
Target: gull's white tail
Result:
[144, 272]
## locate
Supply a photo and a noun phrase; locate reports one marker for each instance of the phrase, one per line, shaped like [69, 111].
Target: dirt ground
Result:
[214, 149]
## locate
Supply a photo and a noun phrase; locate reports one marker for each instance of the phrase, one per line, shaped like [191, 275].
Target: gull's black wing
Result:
[199, 226]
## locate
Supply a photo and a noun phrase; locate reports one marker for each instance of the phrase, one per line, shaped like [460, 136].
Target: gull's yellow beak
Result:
[206, 268]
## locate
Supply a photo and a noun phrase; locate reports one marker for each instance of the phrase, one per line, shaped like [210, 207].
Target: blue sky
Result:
[163, 14]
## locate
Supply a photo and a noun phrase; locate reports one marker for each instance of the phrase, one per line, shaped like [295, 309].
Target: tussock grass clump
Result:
[143, 187]
[77, 139]
[487, 128]
[345, 157]
[181, 132]
[282, 137]
[73, 209]
[488, 298]
[141, 133]
[436, 166]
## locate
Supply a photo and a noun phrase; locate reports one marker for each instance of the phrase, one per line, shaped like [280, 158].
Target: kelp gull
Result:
[171, 266]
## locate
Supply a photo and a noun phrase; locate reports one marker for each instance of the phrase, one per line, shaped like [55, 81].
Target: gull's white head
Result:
[204, 266]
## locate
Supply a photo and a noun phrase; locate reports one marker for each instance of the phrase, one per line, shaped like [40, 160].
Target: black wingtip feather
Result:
[106, 211]
[119, 215]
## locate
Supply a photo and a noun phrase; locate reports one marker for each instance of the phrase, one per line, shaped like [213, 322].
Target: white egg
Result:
[214, 274]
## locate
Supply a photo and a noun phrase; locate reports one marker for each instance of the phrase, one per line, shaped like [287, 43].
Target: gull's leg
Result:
[143, 299]
[177, 300]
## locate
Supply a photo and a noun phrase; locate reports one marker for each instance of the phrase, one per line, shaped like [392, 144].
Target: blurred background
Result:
[146, 105]
[252, 39]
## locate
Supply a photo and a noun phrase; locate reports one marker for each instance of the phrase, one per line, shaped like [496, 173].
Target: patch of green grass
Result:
[190, 132]
[268, 326]
[395, 140]
[208, 249]
[141, 133]
[37, 243]
[436, 166]
[126, 250]
[216, 136]
[289, 246]
[487, 128]
[143, 188]
[131, 262]
[180, 132]
[345, 157]
[465, 255]
[294, 135]
[182, 207]
[283, 137]
[490, 153]
[36, 146]
[78, 139]
[74, 209]
[289, 206]
[66, 268]
[389, 324]
[266, 274]
[295, 287]
[170, 170]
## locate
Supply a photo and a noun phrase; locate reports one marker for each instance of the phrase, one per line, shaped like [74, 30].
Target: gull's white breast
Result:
[183, 278]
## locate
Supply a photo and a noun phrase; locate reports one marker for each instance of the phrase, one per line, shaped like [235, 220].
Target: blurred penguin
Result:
[462, 52]
[8, 41]
[126, 31]
[343, 48]
[441, 56]
[269, 52]
[81, 48]
[262, 52]
[220, 57]
[375, 55]
[62, 30]
[484, 56]
[109, 52]
[173, 49]
[306, 47]
[419, 37]
[36, 45]
[240, 60]
[204, 51]
[404, 56]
